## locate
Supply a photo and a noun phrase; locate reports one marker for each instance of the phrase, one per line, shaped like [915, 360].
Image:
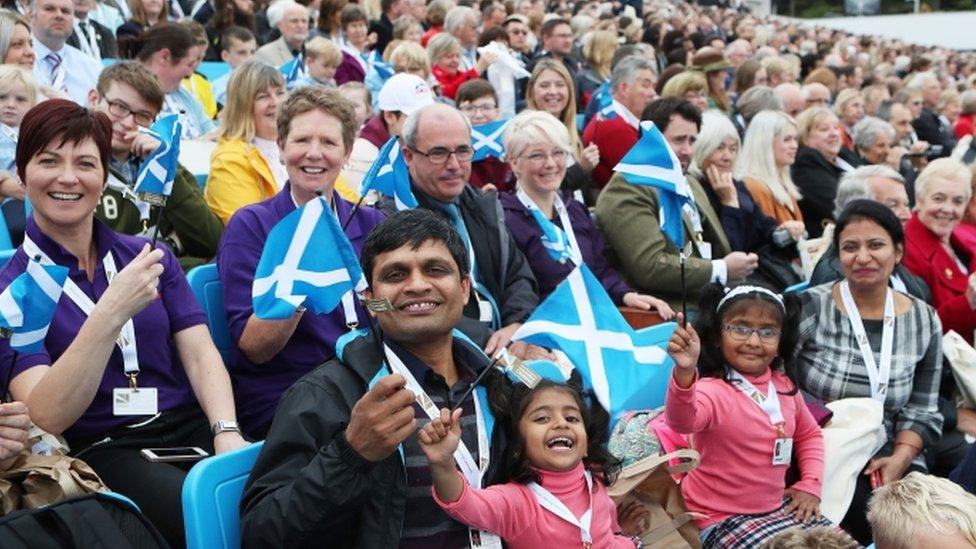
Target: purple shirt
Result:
[549, 272]
[257, 387]
[159, 362]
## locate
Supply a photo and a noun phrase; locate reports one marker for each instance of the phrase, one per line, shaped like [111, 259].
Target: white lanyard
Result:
[553, 504]
[473, 471]
[171, 106]
[878, 374]
[768, 403]
[567, 226]
[86, 42]
[119, 186]
[127, 337]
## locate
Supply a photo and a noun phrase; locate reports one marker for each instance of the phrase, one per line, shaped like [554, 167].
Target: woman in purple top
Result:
[537, 148]
[145, 330]
[316, 130]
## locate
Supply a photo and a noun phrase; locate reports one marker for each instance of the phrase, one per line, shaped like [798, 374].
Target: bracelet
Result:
[918, 450]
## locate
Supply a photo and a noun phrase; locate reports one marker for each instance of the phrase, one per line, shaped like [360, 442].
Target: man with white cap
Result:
[399, 97]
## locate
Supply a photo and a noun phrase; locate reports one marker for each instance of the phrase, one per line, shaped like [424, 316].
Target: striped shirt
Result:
[830, 367]
[425, 524]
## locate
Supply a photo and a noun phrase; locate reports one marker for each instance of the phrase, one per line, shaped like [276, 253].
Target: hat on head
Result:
[709, 59]
[404, 93]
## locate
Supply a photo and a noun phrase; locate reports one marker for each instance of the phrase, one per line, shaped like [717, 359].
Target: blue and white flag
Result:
[27, 305]
[604, 101]
[389, 175]
[383, 69]
[487, 140]
[651, 162]
[627, 369]
[307, 260]
[154, 181]
[554, 239]
[293, 70]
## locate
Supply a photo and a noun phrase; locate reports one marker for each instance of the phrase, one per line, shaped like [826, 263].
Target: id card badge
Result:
[485, 313]
[135, 402]
[484, 540]
[782, 451]
[704, 249]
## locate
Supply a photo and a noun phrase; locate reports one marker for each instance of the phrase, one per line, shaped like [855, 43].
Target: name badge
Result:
[484, 540]
[485, 314]
[782, 451]
[705, 249]
[135, 402]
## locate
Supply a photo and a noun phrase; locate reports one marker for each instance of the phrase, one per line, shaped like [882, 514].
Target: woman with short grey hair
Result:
[874, 142]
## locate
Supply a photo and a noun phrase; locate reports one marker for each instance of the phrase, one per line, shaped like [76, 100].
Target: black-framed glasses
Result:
[121, 110]
[439, 155]
[739, 332]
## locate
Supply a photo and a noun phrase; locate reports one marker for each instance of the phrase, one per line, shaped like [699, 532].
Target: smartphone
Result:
[181, 453]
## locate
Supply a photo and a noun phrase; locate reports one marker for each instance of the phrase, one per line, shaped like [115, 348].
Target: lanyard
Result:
[127, 337]
[878, 374]
[567, 226]
[473, 471]
[768, 403]
[87, 42]
[171, 106]
[552, 504]
[119, 186]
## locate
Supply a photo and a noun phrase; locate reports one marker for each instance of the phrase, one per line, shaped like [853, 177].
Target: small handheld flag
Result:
[651, 162]
[487, 140]
[292, 272]
[604, 101]
[554, 239]
[389, 175]
[293, 70]
[27, 305]
[627, 369]
[154, 180]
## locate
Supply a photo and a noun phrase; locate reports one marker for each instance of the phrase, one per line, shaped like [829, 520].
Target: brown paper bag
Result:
[29, 481]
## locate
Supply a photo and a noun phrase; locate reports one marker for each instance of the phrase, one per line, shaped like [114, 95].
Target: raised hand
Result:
[440, 438]
[134, 287]
[382, 419]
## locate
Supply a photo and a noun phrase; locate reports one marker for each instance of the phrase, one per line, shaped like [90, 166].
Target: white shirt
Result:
[272, 155]
[81, 72]
[624, 112]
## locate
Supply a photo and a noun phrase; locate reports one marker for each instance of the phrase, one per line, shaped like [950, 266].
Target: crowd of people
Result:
[810, 155]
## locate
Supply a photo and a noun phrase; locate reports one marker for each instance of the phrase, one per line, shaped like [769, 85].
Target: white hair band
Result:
[741, 290]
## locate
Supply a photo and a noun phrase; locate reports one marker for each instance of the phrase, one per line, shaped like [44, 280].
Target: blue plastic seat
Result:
[211, 499]
[206, 287]
[213, 70]
[797, 288]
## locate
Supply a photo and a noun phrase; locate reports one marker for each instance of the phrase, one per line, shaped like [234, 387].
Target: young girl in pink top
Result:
[556, 496]
[744, 414]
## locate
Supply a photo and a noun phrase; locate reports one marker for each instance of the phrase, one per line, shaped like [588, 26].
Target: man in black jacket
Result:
[341, 466]
[437, 150]
[929, 126]
[90, 36]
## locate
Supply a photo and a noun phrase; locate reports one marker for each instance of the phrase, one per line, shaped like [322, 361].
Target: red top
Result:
[963, 126]
[451, 82]
[614, 137]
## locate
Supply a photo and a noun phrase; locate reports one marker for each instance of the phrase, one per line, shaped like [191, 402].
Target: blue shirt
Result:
[258, 387]
[159, 363]
[195, 122]
[81, 71]
[219, 88]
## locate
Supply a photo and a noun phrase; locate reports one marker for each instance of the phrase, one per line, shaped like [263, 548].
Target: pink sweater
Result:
[511, 511]
[736, 475]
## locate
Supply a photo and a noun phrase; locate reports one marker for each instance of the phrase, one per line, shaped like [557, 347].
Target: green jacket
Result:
[186, 224]
[628, 218]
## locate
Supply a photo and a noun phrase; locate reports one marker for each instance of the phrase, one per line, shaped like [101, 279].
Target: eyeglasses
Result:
[739, 332]
[471, 109]
[540, 157]
[439, 155]
[121, 110]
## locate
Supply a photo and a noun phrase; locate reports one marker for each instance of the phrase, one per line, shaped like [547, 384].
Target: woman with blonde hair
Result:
[818, 166]
[598, 49]
[768, 152]
[246, 166]
[15, 40]
[690, 86]
[410, 57]
[849, 108]
[551, 89]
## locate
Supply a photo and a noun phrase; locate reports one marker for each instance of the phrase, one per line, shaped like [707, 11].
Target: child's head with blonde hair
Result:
[322, 58]
[18, 93]
[922, 511]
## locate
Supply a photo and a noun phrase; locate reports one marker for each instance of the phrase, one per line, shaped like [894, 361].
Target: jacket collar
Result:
[925, 240]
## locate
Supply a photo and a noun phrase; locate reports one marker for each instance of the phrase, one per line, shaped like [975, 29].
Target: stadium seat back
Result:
[206, 287]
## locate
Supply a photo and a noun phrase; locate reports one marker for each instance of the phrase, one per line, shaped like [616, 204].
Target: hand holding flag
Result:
[293, 272]
[389, 175]
[154, 180]
[27, 305]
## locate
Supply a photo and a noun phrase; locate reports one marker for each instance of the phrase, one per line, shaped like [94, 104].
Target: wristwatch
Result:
[225, 425]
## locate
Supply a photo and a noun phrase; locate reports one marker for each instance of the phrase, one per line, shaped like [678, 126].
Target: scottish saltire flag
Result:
[158, 171]
[388, 175]
[651, 162]
[27, 305]
[554, 239]
[486, 140]
[307, 260]
[604, 101]
[293, 70]
[627, 369]
[383, 69]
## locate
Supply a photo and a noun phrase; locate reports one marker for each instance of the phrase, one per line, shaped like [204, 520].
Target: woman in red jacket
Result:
[942, 192]
[444, 51]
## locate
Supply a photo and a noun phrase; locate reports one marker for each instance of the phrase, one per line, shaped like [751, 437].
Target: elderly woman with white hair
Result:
[942, 193]
[874, 143]
[849, 108]
[553, 230]
[712, 163]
